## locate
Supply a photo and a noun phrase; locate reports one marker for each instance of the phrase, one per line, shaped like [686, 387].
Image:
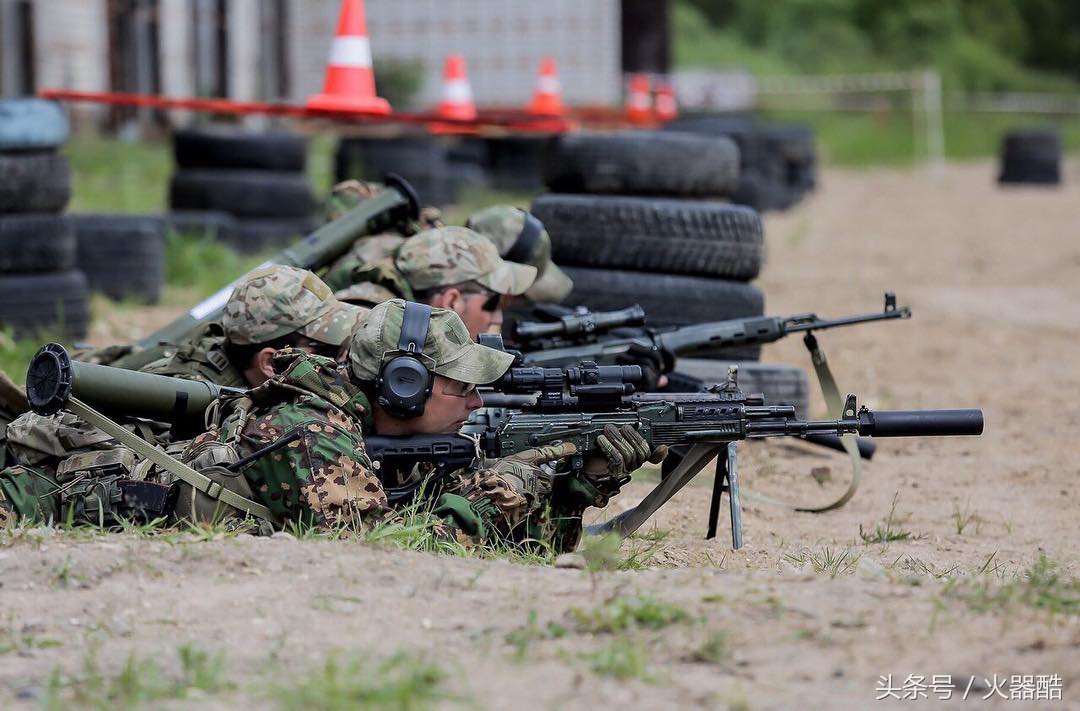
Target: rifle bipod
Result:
[692, 463]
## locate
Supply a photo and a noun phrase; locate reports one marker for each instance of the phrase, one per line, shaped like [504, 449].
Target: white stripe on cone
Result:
[639, 101]
[457, 91]
[350, 52]
[548, 85]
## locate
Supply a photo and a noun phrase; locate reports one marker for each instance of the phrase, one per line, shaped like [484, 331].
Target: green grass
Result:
[827, 561]
[202, 265]
[403, 682]
[109, 175]
[885, 533]
[1043, 586]
[139, 683]
[622, 658]
[622, 614]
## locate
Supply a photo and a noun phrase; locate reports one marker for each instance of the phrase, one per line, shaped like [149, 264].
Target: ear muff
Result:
[524, 246]
[404, 382]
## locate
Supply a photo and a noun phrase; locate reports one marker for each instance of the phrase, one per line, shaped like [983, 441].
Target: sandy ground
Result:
[991, 276]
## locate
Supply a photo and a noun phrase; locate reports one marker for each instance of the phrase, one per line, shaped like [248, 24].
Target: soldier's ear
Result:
[449, 298]
[263, 362]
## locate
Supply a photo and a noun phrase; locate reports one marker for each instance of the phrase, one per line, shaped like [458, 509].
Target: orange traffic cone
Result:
[457, 99]
[667, 108]
[350, 81]
[547, 100]
[639, 103]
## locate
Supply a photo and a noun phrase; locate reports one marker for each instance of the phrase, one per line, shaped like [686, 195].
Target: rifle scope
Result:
[588, 379]
[578, 324]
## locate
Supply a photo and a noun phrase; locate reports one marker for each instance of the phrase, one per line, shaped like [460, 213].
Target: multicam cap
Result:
[452, 255]
[448, 350]
[504, 226]
[364, 294]
[278, 300]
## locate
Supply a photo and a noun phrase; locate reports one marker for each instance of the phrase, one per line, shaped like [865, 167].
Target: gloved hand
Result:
[625, 451]
[525, 474]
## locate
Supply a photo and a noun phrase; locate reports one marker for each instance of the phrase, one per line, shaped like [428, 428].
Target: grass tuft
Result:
[886, 533]
[402, 681]
[622, 658]
[1043, 586]
[827, 560]
[622, 614]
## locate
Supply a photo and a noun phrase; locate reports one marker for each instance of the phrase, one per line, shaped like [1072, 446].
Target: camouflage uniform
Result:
[434, 258]
[370, 249]
[503, 225]
[268, 304]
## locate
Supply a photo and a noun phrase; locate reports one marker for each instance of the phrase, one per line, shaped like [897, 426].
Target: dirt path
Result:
[806, 614]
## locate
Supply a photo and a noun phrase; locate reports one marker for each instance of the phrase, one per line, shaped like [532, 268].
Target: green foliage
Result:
[716, 649]
[885, 533]
[402, 681]
[523, 637]
[140, 682]
[200, 263]
[1044, 586]
[622, 614]
[622, 658]
[1020, 45]
[610, 552]
[116, 176]
[398, 81]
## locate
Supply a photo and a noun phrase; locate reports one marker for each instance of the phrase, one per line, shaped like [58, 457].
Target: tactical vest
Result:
[201, 357]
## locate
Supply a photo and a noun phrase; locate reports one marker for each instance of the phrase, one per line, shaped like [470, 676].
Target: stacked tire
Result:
[425, 161]
[643, 217]
[41, 292]
[122, 256]
[1031, 156]
[778, 162]
[258, 180]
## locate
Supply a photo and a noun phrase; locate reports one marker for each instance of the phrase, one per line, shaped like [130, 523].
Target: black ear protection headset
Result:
[527, 240]
[403, 385]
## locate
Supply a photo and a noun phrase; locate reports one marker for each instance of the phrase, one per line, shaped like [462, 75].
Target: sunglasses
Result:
[491, 303]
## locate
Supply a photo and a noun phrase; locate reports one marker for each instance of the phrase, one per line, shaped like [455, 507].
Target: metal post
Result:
[935, 128]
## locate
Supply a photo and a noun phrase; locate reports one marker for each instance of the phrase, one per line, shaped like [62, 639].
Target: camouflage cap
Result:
[503, 225]
[453, 255]
[277, 300]
[347, 194]
[448, 350]
[365, 293]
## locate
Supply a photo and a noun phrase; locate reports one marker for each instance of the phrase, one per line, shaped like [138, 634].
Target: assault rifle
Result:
[583, 335]
[710, 423]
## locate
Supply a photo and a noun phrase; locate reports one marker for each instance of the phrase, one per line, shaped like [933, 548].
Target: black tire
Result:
[243, 193]
[1031, 156]
[516, 163]
[793, 142]
[203, 223]
[743, 130]
[256, 235]
[44, 304]
[36, 243]
[643, 163]
[781, 384]
[668, 299]
[38, 181]
[123, 256]
[226, 147]
[32, 125]
[672, 236]
[421, 160]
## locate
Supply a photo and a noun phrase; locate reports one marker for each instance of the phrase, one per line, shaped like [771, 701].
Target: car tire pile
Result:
[248, 189]
[639, 217]
[777, 162]
[1031, 156]
[40, 288]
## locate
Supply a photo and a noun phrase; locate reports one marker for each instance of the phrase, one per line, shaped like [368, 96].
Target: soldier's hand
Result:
[625, 451]
[526, 474]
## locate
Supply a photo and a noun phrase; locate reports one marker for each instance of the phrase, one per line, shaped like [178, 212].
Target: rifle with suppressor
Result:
[710, 423]
[578, 336]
